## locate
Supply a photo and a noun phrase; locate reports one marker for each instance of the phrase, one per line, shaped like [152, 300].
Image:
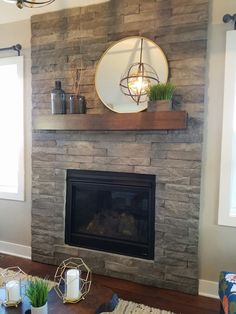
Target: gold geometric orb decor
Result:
[11, 282]
[73, 280]
[138, 78]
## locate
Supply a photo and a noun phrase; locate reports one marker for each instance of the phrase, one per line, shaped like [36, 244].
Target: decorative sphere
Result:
[136, 81]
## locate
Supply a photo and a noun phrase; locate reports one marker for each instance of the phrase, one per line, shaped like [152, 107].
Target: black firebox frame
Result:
[101, 243]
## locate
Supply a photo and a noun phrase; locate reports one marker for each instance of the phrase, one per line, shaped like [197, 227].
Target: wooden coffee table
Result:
[100, 299]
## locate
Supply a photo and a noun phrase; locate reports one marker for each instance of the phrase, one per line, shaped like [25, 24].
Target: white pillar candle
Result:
[13, 291]
[73, 284]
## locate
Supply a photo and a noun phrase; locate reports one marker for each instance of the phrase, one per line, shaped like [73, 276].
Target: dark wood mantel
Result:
[162, 120]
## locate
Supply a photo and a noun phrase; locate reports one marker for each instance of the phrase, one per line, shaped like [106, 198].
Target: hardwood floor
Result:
[160, 298]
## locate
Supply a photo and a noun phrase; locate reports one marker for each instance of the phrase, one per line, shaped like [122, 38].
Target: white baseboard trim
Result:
[208, 288]
[15, 249]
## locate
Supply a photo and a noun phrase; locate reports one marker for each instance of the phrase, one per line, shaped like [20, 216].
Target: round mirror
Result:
[116, 61]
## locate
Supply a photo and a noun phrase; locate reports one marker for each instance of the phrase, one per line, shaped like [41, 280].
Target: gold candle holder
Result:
[73, 280]
[10, 281]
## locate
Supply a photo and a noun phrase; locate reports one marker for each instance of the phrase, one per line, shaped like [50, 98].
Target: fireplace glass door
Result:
[112, 212]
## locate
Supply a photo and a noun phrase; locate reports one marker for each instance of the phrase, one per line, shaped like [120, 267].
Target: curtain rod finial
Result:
[227, 18]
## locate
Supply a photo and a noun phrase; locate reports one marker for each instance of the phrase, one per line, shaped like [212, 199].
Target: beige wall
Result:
[15, 217]
[217, 243]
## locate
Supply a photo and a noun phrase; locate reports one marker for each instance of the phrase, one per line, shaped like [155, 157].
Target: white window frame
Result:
[228, 152]
[20, 194]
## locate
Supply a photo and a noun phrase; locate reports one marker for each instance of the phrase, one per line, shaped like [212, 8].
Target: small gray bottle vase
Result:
[58, 99]
[77, 104]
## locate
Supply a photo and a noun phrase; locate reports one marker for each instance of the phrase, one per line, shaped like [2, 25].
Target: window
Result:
[11, 129]
[227, 196]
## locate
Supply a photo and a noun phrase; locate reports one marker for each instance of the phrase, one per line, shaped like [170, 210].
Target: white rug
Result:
[128, 307]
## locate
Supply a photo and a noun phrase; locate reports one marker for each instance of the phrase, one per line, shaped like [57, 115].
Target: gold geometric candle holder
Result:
[73, 280]
[10, 280]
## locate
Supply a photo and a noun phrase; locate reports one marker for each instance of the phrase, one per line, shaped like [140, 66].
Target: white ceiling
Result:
[10, 13]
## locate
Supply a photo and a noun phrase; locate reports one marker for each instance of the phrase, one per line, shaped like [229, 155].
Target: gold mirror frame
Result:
[114, 63]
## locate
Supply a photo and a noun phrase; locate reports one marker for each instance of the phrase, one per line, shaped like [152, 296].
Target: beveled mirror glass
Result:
[116, 61]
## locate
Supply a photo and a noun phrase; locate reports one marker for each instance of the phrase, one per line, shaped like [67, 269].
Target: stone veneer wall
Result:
[59, 40]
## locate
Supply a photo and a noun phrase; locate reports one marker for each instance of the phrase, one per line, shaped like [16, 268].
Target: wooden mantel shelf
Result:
[162, 120]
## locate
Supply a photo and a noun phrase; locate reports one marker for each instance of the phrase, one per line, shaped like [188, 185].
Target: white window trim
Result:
[20, 194]
[229, 106]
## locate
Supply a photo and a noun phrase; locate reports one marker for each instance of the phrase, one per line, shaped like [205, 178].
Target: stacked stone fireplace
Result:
[59, 40]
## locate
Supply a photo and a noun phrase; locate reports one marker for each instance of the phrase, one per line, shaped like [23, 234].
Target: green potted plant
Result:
[160, 97]
[37, 292]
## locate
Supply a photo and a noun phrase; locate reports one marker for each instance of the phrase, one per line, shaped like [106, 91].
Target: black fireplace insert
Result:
[111, 211]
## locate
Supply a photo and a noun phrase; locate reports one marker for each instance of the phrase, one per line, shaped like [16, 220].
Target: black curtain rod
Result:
[16, 47]
[227, 18]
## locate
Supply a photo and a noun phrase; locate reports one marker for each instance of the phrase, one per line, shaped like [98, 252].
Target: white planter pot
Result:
[40, 310]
